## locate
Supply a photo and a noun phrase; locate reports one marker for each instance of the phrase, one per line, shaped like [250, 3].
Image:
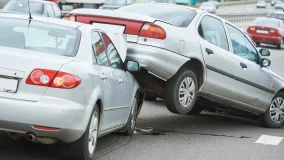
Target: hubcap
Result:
[93, 132]
[186, 92]
[277, 110]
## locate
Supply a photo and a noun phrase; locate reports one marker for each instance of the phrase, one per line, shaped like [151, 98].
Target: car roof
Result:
[57, 21]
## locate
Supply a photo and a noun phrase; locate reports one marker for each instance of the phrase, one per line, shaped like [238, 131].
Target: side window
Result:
[50, 12]
[241, 45]
[112, 53]
[99, 56]
[57, 11]
[212, 30]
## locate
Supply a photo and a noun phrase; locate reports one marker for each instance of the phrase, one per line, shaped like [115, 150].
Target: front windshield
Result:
[116, 2]
[22, 6]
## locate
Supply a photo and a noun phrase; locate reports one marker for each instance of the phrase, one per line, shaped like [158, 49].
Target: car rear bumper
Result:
[162, 63]
[20, 116]
[266, 39]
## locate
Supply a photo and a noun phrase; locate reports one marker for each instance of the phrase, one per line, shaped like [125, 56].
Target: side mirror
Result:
[264, 52]
[132, 66]
[265, 62]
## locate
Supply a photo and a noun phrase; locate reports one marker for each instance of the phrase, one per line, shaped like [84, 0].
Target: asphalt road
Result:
[163, 135]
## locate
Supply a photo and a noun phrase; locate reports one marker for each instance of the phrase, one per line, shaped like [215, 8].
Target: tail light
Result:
[71, 18]
[51, 78]
[152, 31]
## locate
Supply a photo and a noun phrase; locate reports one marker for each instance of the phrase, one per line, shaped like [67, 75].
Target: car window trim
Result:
[99, 33]
[259, 57]
[199, 24]
[124, 69]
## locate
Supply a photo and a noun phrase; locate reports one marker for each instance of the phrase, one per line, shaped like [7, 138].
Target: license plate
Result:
[262, 31]
[8, 85]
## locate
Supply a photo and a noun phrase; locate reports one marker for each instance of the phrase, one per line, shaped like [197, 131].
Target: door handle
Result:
[103, 77]
[209, 51]
[244, 66]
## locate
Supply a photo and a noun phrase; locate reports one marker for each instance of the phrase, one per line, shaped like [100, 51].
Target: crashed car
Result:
[188, 55]
[65, 82]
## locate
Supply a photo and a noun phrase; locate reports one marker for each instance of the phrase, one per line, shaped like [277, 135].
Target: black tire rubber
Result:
[79, 150]
[149, 97]
[196, 110]
[172, 91]
[265, 119]
[129, 129]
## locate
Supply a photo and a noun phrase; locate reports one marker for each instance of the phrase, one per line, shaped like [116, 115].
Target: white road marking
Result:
[269, 140]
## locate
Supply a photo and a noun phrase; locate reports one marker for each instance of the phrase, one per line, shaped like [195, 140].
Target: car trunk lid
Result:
[15, 67]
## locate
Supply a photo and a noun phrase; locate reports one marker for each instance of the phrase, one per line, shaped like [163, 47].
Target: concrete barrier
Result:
[242, 17]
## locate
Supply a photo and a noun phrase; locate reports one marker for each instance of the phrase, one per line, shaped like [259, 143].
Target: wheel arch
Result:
[198, 68]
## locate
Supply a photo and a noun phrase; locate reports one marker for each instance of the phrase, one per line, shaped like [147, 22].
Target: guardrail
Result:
[242, 17]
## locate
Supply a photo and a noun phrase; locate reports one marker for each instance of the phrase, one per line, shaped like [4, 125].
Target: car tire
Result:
[280, 46]
[196, 110]
[181, 101]
[269, 118]
[84, 148]
[129, 128]
[149, 97]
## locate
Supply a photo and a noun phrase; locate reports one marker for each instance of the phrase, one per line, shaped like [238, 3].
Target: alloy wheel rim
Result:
[277, 110]
[93, 132]
[133, 114]
[186, 92]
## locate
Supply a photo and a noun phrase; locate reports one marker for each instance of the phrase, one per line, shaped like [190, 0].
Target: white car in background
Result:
[279, 5]
[209, 7]
[261, 4]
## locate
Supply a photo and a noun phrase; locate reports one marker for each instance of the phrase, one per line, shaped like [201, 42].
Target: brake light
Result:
[71, 18]
[152, 31]
[51, 78]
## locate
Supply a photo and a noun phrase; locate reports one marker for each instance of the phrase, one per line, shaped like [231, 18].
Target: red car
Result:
[268, 31]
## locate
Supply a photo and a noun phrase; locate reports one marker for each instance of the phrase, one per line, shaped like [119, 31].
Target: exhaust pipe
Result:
[31, 137]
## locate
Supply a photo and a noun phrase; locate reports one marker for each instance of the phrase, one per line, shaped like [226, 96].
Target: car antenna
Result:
[30, 15]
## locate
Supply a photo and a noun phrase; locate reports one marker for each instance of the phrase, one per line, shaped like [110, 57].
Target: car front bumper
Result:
[71, 118]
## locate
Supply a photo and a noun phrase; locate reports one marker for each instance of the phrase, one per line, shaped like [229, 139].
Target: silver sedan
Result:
[190, 57]
[62, 81]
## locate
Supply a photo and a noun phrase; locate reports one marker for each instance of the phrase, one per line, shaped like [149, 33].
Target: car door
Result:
[220, 67]
[108, 82]
[125, 85]
[253, 83]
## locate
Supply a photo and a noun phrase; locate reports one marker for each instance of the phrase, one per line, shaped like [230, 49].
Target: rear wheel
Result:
[280, 46]
[181, 92]
[274, 115]
[149, 97]
[84, 148]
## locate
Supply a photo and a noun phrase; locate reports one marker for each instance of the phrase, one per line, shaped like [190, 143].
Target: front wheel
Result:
[181, 92]
[129, 128]
[274, 115]
[84, 148]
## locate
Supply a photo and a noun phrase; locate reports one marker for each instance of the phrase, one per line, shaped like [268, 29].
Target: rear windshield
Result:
[177, 16]
[22, 6]
[39, 36]
[267, 22]
[277, 16]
